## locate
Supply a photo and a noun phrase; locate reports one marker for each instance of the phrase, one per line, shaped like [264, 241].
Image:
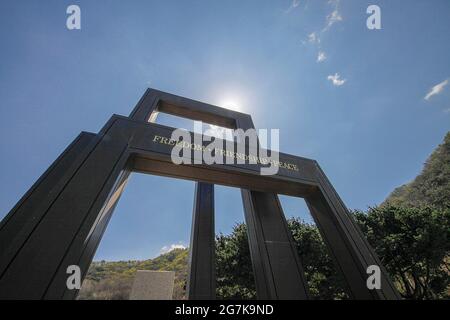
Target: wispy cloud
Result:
[321, 56]
[313, 38]
[294, 4]
[334, 16]
[336, 80]
[437, 89]
[171, 247]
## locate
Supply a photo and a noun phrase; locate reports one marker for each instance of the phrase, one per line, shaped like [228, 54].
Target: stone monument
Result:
[153, 285]
[60, 221]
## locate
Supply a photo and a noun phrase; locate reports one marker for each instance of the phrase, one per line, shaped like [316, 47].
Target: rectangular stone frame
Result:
[274, 278]
[60, 220]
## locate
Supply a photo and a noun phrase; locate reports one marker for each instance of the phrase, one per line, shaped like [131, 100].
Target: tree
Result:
[432, 186]
[413, 244]
[234, 272]
[323, 279]
[235, 278]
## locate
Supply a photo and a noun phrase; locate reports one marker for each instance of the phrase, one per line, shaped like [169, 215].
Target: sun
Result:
[232, 103]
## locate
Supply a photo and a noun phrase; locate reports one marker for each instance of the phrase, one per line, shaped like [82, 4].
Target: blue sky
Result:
[371, 129]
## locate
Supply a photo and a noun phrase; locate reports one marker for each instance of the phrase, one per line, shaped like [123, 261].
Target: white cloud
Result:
[313, 38]
[294, 4]
[321, 56]
[173, 246]
[334, 2]
[332, 18]
[336, 79]
[436, 89]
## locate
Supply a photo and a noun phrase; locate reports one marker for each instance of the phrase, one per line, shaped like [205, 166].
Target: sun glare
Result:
[232, 103]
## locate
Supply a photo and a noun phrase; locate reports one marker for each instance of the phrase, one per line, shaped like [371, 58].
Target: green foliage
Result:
[233, 266]
[413, 244]
[234, 270]
[113, 280]
[432, 186]
[323, 279]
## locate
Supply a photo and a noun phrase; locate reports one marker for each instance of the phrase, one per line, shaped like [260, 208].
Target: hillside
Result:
[431, 186]
[113, 280]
